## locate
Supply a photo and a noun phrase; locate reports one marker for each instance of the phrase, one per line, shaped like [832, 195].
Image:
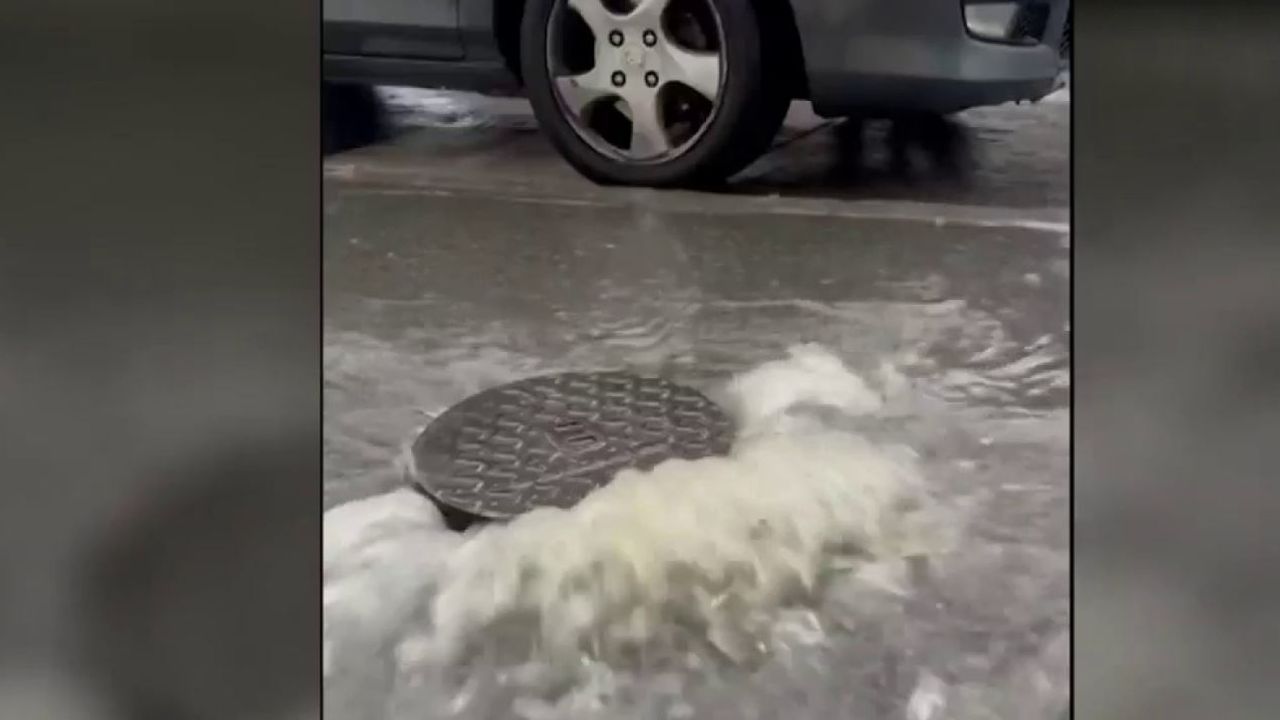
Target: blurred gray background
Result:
[1176, 329]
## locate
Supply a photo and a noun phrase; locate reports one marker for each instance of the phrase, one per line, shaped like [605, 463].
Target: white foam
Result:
[810, 375]
[379, 563]
[715, 543]
[702, 553]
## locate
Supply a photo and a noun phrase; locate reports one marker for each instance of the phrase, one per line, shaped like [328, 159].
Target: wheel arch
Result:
[507, 16]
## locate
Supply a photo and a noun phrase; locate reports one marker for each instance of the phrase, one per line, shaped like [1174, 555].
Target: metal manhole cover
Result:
[551, 440]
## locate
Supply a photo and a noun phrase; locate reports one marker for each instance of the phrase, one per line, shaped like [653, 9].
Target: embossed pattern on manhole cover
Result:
[551, 440]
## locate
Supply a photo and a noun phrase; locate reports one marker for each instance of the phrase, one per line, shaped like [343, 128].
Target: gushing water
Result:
[659, 595]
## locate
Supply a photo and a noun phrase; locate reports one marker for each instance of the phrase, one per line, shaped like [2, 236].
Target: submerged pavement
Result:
[463, 254]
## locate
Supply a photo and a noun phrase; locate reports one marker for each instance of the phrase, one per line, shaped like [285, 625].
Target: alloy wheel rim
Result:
[640, 81]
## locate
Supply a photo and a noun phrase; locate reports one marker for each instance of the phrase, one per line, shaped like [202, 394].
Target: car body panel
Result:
[860, 56]
[491, 77]
[424, 29]
[476, 26]
[871, 55]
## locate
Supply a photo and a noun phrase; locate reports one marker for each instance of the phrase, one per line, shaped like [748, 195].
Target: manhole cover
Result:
[551, 440]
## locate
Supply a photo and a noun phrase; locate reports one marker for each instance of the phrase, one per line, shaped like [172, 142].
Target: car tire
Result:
[750, 104]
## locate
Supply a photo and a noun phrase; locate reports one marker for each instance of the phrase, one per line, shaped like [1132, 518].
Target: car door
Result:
[410, 29]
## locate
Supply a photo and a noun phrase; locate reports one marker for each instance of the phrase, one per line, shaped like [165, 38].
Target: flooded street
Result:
[444, 278]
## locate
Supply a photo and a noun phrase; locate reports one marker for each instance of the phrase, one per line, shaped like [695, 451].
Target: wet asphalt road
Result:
[464, 254]
[460, 257]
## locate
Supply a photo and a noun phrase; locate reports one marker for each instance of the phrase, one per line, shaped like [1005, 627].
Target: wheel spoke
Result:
[641, 70]
[594, 14]
[648, 135]
[580, 91]
[698, 70]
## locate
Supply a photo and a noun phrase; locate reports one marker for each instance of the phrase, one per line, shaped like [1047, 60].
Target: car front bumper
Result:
[889, 56]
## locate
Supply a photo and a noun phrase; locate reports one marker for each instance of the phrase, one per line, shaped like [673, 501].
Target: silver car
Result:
[679, 92]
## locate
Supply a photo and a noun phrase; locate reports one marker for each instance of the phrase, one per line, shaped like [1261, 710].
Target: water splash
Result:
[646, 595]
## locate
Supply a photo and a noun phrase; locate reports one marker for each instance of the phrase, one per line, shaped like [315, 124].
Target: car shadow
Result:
[908, 157]
[1010, 156]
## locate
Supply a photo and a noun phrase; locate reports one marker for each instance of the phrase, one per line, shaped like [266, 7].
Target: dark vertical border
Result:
[1071, 350]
